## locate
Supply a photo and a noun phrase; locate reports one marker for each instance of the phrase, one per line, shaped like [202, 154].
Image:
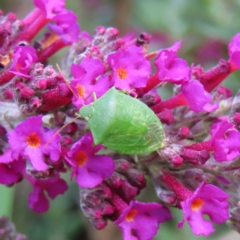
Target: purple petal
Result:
[58, 186]
[24, 57]
[102, 85]
[133, 64]
[234, 44]
[103, 165]
[217, 204]
[77, 71]
[195, 95]
[170, 67]
[36, 158]
[198, 225]
[50, 7]
[37, 201]
[88, 179]
[7, 175]
[235, 59]
[225, 141]
[217, 210]
[66, 26]
[212, 201]
[53, 149]
[17, 143]
[7, 156]
[86, 75]
[30, 125]
[93, 68]
[144, 224]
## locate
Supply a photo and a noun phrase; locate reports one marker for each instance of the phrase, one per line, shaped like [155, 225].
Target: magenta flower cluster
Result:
[196, 170]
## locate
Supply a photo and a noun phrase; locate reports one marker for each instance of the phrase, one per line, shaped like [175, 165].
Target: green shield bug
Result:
[123, 123]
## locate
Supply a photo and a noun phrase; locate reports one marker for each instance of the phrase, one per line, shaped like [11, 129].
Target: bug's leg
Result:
[6, 120]
[132, 92]
[135, 158]
[94, 96]
[65, 80]
[58, 131]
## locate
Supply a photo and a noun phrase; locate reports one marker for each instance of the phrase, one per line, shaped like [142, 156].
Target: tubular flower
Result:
[170, 67]
[29, 140]
[139, 221]
[225, 141]
[66, 26]
[90, 169]
[23, 58]
[234, 52]
[37, 200]
[130, 68]
[206, 199]
[195, 95]
[85, 81]
[50, 7]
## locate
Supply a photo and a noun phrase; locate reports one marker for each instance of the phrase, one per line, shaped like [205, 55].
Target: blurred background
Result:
[205, 28]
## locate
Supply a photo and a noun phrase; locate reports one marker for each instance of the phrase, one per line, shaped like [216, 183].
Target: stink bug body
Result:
[123, 123]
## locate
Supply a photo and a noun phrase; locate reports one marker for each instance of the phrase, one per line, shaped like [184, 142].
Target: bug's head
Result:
[86, 111]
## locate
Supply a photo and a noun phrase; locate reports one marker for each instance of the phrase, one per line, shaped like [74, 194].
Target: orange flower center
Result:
[80, 90]
[5, 59]
[81, 158]
[130, 216]
[197, 204]
[33, 140]
[122, 73]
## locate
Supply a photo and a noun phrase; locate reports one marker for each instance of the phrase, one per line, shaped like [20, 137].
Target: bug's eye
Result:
[87, 111]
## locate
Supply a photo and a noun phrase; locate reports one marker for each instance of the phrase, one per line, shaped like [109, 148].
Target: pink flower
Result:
[90, 169]
[225, 141]
[66, 26]
[170, 67]
[130, 68]
[139, 221]
[85, 82]
[12, 172]
[29, 140]
[37, 200]
[23, 58]
[6, 157]
[206, 199]
[234, 51]
[195, 95]
[50, 7]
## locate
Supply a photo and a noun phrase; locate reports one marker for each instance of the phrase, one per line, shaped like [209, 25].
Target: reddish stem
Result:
[50, 47]
[153, 81]
[177, 187]
[34, 22]
[176, 101]
[214, 76]
[32, 16]
[54, 98]
[201, 146]
[6, 77]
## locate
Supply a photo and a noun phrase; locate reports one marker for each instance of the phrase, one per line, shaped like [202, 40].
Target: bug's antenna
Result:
[58, 131]
[65, 80]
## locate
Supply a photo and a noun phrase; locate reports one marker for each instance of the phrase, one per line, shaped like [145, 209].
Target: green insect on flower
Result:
[123, 123]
